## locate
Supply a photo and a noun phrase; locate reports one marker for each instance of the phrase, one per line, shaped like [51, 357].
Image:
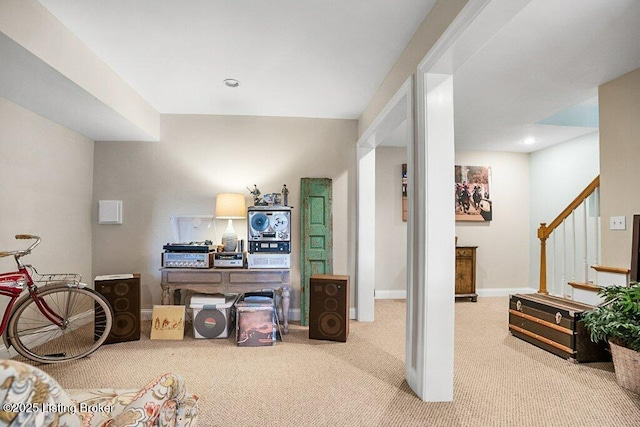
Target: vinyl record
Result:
[210, 323]
[279, 222]
[259, 222]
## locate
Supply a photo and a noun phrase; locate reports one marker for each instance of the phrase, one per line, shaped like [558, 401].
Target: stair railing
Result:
[579, 237]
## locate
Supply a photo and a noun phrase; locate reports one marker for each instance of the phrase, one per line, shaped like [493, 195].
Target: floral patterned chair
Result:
[30, 397]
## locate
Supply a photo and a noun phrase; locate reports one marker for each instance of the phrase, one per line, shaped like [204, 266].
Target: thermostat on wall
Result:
[110, 212]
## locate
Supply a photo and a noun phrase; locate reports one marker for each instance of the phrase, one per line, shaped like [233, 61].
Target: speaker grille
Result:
[329, 307]
[124, 297]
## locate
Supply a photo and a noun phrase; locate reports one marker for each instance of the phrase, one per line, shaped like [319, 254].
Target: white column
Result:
[366, 234]
[433, 307]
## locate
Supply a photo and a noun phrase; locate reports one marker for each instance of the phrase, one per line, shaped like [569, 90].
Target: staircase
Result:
[570, 246]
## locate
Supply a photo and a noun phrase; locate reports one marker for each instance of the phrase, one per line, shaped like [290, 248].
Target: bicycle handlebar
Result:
[23, 252]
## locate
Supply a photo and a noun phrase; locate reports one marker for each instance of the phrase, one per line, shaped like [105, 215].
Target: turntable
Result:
[195, 234]
[205, 246]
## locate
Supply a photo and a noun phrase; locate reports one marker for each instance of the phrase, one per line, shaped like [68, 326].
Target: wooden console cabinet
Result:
[223, 280]
[466, 272]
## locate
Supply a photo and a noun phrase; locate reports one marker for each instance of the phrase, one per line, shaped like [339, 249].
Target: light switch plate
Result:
[617, 223]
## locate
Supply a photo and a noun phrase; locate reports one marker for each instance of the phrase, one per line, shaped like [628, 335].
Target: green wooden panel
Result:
[316, 236]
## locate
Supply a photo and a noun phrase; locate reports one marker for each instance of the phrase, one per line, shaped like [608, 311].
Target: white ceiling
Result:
[310, 58]
[551, 56]
[536, 76]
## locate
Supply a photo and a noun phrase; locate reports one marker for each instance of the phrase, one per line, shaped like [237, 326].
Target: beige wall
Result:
[573, 163]
[503, 243]
[619, 153]
[200, 156]
[433, 26]
[504, 238]
[46, 175]
[391, 231]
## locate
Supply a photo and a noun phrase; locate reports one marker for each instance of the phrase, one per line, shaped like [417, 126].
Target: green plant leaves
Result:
[618, 317]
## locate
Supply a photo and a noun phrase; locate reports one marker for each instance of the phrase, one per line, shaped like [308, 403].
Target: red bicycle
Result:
[59, 321]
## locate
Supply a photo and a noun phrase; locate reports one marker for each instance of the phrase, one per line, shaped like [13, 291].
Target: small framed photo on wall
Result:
[404, 193]
[473, 193]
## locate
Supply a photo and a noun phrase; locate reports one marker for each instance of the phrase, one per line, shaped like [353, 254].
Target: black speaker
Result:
[329, 307]
[124, 297]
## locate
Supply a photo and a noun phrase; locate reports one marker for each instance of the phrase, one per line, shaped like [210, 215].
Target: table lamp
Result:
[230, 206]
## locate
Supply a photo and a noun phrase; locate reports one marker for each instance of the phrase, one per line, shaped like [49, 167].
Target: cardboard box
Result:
[255, 325]
[212, 317]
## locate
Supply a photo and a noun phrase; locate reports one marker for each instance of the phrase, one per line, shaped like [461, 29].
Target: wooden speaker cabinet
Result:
[124, 297]
[329, 307]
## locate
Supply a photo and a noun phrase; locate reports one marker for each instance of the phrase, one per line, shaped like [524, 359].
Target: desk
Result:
[226, 280]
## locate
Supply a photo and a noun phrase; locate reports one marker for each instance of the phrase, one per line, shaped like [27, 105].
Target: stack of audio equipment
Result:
[188, 255]
[269, 237]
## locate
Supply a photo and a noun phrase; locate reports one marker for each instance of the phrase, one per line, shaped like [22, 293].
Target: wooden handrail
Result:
[544, 231]
[572, 207]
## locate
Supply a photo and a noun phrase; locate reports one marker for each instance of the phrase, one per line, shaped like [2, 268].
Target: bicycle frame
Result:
[55, 313]
[13, 284]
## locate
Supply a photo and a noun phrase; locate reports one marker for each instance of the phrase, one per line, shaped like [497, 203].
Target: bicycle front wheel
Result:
[86, 321]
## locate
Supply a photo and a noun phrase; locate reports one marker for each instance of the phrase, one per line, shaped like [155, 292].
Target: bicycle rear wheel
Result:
[87, 320]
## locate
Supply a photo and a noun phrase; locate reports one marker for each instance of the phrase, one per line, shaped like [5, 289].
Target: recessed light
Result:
[530, 140]
[231, 82]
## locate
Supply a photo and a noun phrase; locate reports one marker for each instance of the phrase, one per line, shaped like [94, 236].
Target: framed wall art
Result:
[473, 193]
[404, 193]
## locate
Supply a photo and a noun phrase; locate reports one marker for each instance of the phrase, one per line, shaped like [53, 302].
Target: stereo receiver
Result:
[228, 259]
[187, 259]
[283, 247]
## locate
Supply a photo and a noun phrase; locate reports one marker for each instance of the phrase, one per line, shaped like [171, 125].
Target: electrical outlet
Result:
[617, 223]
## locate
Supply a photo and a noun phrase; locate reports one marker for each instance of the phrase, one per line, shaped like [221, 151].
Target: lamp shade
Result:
[231, 206]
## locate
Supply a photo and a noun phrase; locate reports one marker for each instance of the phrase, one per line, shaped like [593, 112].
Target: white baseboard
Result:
[487, 292]
[397, 294]
[504, 292]
[294, 314]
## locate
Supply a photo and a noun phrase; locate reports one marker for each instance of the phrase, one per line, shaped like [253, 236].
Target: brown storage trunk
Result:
[553, 324]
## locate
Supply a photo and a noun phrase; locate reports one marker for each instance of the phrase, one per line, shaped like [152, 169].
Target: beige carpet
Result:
[499, 380]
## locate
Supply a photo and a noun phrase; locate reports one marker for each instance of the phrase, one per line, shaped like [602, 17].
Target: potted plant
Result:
[617, 320]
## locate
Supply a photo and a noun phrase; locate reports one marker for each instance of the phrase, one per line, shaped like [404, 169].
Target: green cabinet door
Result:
[316, 236]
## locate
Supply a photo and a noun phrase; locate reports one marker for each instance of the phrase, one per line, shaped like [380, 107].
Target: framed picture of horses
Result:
[473, 193]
